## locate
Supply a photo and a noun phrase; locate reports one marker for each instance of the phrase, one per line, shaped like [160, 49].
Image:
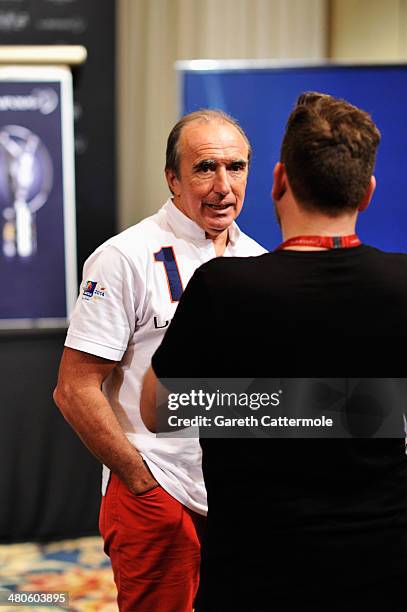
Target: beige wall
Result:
[153, 34]
[368, 29]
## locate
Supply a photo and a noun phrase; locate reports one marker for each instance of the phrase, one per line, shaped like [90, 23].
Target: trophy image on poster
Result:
[26, 176]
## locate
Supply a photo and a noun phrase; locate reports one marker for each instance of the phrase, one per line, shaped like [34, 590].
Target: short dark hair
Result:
[172, 161]
[329, 152]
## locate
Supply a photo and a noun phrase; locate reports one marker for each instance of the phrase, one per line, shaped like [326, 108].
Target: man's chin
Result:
[221, 221]
[218, 228]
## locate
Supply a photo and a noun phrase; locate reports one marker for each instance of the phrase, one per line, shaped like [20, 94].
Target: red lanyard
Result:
[325, 242]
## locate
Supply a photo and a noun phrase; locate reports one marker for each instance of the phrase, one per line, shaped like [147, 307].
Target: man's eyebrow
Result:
[240, 162]
[213, 162]
[204, 162]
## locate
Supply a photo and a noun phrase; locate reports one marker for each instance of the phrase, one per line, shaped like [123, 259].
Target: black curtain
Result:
[49, 482]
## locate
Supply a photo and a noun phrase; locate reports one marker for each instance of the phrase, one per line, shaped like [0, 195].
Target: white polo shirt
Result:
[130, 290]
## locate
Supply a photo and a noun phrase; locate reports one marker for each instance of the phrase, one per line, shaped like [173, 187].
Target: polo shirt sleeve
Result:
[187, 343]
[104, 317]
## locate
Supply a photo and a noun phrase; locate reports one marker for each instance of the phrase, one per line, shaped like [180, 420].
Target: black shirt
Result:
[328, 515]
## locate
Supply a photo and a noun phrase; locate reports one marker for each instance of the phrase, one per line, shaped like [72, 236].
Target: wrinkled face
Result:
[212, 177]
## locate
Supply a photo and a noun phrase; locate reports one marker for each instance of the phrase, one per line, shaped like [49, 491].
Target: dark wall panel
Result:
[49, 482]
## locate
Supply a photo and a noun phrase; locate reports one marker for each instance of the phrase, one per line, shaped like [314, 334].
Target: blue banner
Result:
[37, 247]
[261, 98]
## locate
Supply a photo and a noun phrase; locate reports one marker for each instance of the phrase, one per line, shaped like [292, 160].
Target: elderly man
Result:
[154, 496]
[312, 525]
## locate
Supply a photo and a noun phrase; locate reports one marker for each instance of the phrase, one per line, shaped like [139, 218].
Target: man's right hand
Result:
[142, 482]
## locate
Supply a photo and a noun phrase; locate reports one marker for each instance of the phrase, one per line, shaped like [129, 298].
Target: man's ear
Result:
[173, 182]
[368, 195]
[279, 182]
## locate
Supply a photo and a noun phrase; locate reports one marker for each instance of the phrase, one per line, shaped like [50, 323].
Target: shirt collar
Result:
[184, 227]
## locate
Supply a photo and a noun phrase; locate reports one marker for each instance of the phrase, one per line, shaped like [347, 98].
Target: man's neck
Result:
[318, 225]
[220, 242]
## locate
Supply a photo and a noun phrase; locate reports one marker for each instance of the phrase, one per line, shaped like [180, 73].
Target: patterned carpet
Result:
[77, 566]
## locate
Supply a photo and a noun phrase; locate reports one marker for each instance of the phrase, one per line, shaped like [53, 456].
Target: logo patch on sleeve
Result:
[91, 290]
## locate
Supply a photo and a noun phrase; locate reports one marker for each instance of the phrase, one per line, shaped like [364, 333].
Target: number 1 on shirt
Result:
[167, 256]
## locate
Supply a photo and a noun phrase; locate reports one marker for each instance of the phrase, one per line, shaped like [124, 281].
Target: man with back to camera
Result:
[155, 499]
[316, 525]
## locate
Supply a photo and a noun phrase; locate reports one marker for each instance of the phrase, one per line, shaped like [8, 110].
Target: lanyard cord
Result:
[326, 242]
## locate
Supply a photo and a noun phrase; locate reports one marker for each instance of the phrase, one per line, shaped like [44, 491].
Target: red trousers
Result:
[153, 542]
